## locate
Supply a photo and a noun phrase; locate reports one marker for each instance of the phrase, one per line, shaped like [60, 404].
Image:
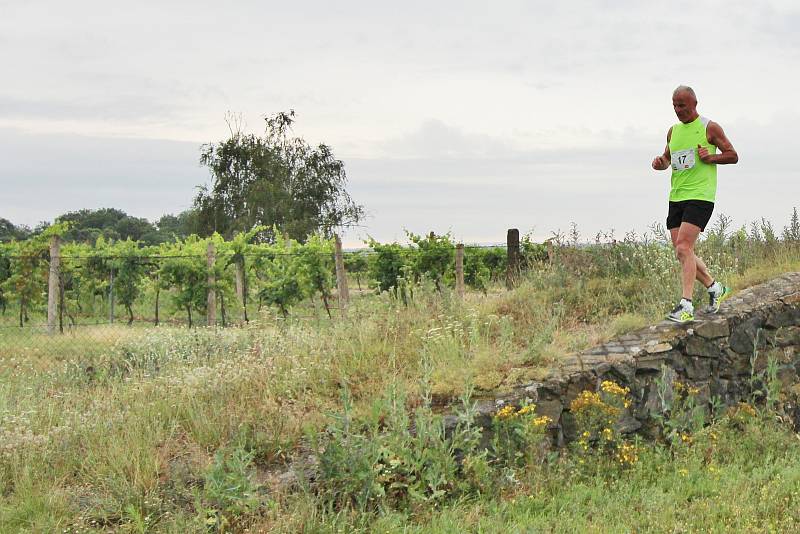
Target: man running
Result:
[691, 151]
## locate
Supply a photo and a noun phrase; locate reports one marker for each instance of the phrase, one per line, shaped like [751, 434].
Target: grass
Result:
[744, 479]
[129, 429]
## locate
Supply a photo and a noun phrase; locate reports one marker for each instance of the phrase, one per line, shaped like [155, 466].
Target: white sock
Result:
[716, 287]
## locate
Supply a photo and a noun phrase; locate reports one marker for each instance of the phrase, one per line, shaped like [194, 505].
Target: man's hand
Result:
[660, 163]
[702, 153]
[664, 161]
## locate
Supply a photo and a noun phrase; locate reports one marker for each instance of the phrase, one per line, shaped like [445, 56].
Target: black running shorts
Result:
[696, 212]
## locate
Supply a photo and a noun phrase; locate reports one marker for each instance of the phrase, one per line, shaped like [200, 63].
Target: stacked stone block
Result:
[718, 354]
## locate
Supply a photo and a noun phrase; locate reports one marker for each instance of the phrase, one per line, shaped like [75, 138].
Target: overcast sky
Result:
[472, 117]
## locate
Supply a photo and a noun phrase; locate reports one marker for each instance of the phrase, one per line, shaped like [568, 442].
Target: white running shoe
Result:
[716, 294]
[683, 312]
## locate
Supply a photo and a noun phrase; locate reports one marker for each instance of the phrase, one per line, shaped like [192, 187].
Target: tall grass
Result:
[174, 430]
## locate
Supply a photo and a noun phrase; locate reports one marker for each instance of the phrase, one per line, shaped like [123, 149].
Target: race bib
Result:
[683, 159]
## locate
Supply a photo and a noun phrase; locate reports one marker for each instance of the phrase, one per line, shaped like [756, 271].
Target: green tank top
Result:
[691, 178]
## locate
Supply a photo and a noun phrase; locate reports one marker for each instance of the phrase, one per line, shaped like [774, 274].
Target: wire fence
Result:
[55, 302]
[229, 255]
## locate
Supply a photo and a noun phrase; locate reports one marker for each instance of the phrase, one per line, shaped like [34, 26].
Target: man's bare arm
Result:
[726, 155]
[662, 162]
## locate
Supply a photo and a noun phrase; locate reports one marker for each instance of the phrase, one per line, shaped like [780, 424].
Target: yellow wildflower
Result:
[505, 412]
[526, 409]
[627, 454]
[589, 400]
[542, 421]
[615, 389]
[747, 408]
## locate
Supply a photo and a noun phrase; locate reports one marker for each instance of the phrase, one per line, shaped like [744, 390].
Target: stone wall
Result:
[716, 354]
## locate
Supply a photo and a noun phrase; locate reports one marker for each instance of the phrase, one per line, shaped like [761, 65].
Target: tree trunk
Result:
[130, 314]
[21, 307]
[189, 313]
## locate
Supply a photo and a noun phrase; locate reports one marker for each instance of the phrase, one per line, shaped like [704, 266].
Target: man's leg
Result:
[703, 276]
[684, 247]
[701, 273]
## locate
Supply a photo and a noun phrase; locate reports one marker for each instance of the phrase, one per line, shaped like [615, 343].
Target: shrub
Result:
[228, 494]
[386, 265]
[391, 459]
[433, 258]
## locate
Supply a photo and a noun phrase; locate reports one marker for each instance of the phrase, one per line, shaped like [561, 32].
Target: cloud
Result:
[776, 22]
[44, 176]
[522, 111]
[435, 139]
[131, 107]
[439, 177]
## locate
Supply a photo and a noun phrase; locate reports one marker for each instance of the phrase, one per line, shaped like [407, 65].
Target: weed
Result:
[228, 493]
[681, 414]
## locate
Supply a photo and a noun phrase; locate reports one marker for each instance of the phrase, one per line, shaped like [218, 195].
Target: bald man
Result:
[695, 146]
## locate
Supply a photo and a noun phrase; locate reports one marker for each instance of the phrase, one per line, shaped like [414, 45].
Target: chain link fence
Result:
[53, 303]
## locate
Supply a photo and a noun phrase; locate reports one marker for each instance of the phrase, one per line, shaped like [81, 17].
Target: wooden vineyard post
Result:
[341, 276]
[512, 245]
[61, 304]
[460, 270]
[211, 307]
[239, 274]
[158, 295]
[53, 286]
[241, 286]
[111, 295]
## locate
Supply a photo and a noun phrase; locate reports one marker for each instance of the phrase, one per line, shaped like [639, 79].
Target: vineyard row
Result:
[201, 277]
